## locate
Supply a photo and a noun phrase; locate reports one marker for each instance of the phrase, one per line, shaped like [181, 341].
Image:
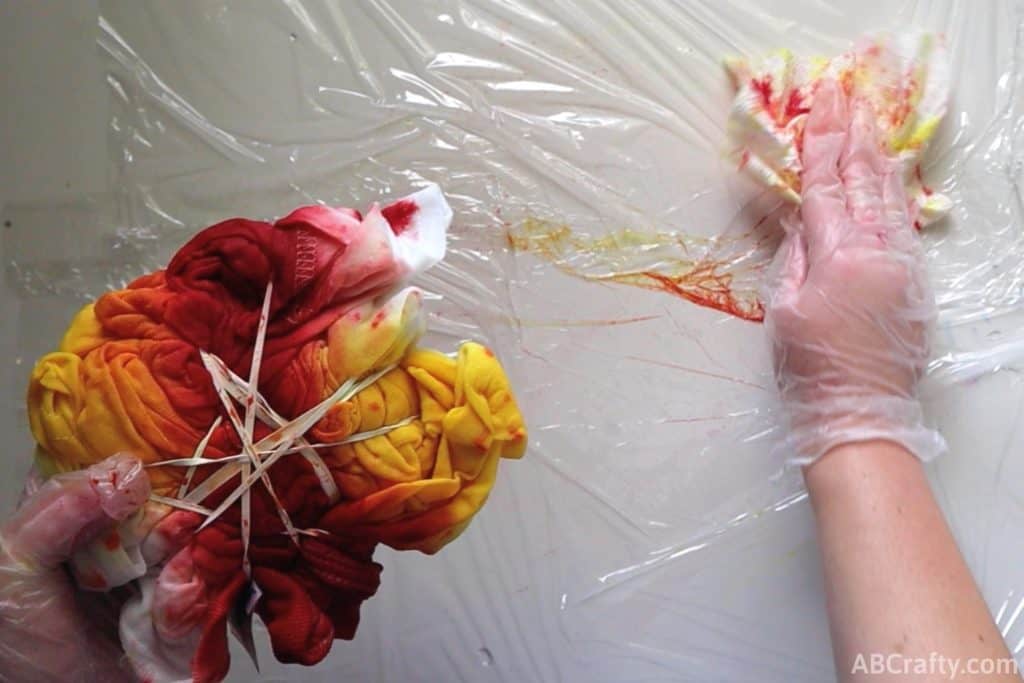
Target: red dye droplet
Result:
[399, 215]
[112, 541]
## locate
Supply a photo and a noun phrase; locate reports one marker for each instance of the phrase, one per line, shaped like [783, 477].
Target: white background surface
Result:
[53, 142]
[513, 600]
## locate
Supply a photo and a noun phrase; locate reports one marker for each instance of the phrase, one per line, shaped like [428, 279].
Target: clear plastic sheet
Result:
[648, 535]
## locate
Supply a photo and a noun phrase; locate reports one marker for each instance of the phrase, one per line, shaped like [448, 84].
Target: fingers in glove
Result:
[863, 168]
[902, 235]
[789, 267]
[33, 482]
[70, 510]
[824, 203]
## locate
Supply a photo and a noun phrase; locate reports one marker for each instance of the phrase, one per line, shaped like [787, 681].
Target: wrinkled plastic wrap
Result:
[649, 534]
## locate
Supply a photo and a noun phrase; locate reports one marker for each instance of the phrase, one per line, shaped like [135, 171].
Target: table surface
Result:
[695, 560]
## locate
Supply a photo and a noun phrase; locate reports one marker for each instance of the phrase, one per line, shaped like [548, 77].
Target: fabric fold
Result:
[406, 457]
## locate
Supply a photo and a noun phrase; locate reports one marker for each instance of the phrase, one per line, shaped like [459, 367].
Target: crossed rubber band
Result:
[257, 458]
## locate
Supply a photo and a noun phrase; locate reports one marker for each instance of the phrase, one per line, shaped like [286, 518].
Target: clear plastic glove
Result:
[849, 308]
[49, 631]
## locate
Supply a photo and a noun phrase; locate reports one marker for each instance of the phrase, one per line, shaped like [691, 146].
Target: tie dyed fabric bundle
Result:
[270, 379]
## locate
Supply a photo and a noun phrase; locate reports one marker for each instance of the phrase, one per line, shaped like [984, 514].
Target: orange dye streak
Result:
[702, 282]
[702, 286]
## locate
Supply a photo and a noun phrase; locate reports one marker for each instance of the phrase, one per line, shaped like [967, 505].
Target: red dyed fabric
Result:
[129, 377]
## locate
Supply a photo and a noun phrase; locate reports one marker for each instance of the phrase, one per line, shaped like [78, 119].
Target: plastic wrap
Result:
[648, 534]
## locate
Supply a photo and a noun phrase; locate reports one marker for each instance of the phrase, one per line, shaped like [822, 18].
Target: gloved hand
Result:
[849, 307]
[49, 631]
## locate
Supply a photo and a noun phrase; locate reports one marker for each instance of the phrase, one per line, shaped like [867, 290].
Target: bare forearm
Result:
[895, 580]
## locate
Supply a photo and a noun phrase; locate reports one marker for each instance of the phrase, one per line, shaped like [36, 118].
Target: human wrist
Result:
[860, 466]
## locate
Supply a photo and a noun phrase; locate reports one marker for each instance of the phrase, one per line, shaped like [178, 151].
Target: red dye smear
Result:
[375, 407]
[488, 353]
[399, 215]
[113, 541]
[92, 580]
[177, 527]
[924, 188]
[377, 319]
[917, 225]
[113, 477]
[481, 443]
[719, 297]
[745, 159]
[761, 220]
[898, 115]
[795, 105]
[763, 87]
[701, 283]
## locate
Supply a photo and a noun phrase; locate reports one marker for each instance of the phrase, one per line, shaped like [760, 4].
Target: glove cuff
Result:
[815, 430]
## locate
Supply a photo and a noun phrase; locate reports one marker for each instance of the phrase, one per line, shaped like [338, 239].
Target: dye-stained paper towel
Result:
[904, 77]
